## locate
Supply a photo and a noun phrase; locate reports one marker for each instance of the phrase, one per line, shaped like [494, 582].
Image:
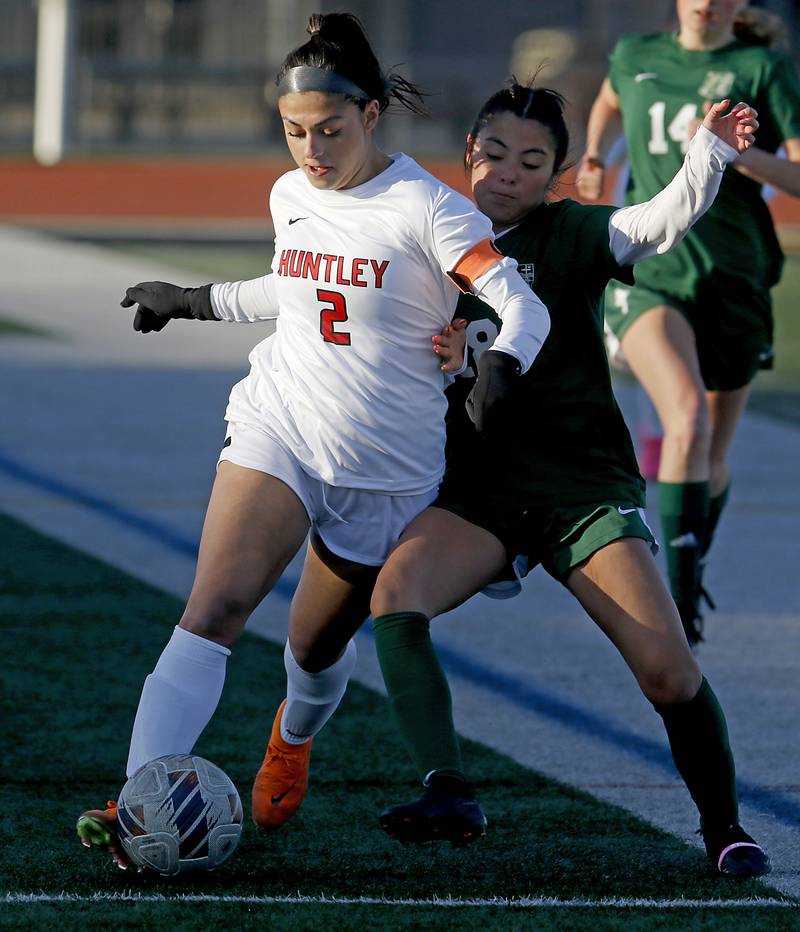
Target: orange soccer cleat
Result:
[98, 827]
[281, 783]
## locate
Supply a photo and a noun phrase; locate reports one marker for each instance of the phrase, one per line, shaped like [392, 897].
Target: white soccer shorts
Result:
[355, 524]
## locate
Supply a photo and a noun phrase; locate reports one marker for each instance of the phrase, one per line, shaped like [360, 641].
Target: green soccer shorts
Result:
[559, 539]
[731, 320]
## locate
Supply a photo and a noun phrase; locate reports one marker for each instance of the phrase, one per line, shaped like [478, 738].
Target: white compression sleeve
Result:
[526, 321]
[247, 301]
[311, 698]
[178, 698]
[643, 230]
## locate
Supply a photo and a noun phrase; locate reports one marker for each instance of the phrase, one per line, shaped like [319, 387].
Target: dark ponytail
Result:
[339, 44]
[758, 27]
[542, 104]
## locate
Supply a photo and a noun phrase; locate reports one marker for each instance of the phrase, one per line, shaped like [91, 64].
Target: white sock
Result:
[311, 698]
[178, 698]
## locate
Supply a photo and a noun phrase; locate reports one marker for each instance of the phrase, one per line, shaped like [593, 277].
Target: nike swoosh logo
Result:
[624, 511]
[685, 540]
[277, 799]
[645, 76]
[296, 219]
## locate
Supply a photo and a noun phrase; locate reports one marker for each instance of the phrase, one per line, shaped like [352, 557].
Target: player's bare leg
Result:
[726, 409]
[440, 561]
[253, 527]
[329, 606]
[661, 351]
[622, 591]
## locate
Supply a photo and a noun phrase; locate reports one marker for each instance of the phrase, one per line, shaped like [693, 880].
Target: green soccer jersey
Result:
[662, 87]
[564, 441]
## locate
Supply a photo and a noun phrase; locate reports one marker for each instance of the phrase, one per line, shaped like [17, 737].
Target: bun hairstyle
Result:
[542, 104]
[758, 27]
[337, 43]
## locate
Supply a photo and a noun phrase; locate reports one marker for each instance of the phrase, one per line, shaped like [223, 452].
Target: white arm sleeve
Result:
[246, 302]
[642, 230]
[526, 322]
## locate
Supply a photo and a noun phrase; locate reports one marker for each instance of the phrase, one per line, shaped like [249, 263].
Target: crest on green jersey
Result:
[716, 85]
[526, 271]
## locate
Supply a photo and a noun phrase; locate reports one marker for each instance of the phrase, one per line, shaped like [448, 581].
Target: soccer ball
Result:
[179, 813]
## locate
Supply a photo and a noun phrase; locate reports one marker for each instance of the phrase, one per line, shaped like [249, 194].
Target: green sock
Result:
[698, 737]
[715, 505]
[684, 516]
[418, 692]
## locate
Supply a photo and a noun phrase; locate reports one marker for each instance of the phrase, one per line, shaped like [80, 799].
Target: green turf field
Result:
[787, 324]
[79, 637]
[221, 262]
[17, 328]
[777, 393]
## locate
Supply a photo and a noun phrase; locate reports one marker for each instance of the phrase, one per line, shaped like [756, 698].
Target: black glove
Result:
[497, 372]
[160, 302]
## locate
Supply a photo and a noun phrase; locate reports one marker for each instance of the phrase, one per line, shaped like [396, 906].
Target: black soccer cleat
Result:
[692, 620]
[446, 811]
[734, 853]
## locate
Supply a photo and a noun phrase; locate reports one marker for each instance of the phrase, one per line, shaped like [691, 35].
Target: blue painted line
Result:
[518, 693]
[579, 720]
[528, 697]
[132, 520]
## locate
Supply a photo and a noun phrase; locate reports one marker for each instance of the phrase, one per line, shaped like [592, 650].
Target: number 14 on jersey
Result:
[677, 131]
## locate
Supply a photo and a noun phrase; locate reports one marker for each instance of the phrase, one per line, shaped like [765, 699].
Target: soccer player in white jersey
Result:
[339, 427]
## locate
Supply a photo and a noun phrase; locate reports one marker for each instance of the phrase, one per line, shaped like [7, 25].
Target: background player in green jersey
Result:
[697, 325]
[556, 480]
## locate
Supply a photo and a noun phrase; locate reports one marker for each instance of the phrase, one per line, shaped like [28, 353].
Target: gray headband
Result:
[305, 78]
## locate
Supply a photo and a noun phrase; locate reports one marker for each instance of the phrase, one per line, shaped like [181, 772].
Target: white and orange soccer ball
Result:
[178, 814]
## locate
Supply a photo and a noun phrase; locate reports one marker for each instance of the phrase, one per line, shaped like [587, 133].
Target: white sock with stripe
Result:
[311, 698]
[178, 698]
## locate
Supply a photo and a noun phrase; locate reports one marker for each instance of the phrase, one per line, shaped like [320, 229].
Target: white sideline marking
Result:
[523, 902]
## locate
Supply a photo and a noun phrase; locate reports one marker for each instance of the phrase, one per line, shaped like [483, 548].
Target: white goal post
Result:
[54, 53]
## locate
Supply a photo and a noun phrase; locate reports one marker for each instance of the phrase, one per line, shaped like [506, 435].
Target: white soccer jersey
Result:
[350, 381]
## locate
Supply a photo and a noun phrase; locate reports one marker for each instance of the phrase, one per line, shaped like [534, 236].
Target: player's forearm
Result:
[526, 321]
[604, 112]
[766, 168]
[643, 230]
[246, 301]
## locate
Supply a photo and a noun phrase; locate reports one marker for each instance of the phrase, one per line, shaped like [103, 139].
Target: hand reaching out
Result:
[159, 302]
[450, 345]
[590, 179]
[737, 128]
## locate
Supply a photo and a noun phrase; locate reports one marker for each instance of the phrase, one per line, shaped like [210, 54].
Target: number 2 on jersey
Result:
[334, 314]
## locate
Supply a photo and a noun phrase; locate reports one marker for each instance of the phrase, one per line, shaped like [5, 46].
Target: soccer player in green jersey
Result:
[555, 477]
[697, 325]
